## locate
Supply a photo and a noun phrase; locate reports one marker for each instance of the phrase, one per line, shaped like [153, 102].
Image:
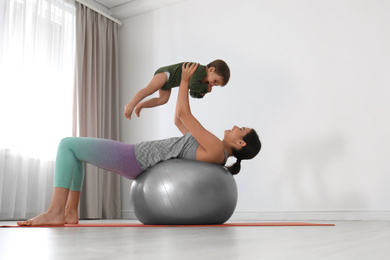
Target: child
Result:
[216, 73]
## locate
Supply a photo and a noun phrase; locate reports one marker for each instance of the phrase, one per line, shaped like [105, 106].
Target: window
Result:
[36, 98]
[36, 75]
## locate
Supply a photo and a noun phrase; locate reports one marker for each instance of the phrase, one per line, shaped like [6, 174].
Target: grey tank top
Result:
[149, 153]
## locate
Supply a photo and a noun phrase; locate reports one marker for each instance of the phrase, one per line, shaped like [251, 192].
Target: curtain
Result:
[97, 107]
[37, 46]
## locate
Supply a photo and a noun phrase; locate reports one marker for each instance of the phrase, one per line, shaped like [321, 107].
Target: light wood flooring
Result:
[353, 240]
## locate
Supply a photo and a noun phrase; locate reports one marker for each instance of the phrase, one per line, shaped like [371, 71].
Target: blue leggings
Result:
[110, 155]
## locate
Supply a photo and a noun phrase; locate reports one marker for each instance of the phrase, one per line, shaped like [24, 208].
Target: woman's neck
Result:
[227, 148]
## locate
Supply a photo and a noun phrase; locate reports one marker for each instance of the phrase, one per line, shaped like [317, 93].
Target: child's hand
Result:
[188, 69]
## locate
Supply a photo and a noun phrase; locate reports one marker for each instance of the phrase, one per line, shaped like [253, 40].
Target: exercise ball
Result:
[184, 192]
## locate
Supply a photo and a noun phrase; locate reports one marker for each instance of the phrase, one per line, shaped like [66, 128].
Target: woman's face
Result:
[236, 134]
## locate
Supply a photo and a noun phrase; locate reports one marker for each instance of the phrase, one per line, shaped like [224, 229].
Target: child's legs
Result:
[154, 85]
[164, 95]
[107, 154]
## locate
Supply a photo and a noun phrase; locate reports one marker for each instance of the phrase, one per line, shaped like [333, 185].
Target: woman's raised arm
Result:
[210, 149]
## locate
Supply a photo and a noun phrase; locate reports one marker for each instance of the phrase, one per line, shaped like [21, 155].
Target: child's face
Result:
[213, 79]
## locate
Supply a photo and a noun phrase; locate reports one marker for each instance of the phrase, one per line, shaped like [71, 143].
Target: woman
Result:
[131, 160]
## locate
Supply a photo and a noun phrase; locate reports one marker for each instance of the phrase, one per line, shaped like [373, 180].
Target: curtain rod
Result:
[99, 11]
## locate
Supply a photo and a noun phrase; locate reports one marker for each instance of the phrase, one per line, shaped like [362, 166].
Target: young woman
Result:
[129, 160]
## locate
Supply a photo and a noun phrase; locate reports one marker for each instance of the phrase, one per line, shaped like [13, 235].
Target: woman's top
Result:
[149, 153]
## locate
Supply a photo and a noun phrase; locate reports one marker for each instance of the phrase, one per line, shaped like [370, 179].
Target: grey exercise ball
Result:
[184, 192]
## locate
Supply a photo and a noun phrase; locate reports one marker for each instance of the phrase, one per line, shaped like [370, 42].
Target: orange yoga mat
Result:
[257, 224]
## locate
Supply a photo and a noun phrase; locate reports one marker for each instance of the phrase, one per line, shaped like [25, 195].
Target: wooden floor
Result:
[346, 240]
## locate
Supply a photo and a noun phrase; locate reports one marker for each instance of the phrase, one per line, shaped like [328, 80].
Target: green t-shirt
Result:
[196, 86]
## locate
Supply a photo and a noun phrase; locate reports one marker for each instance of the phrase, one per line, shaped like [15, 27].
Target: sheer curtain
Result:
[37, 45]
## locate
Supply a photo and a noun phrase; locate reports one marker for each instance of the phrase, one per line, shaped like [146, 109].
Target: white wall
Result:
[312, 77]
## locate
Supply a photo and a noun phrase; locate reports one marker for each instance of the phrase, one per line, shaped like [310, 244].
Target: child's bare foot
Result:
[45, 219]
[128, 111]
[137, 110]
[71, 217]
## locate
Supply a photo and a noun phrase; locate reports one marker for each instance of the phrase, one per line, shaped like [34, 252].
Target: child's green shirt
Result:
[195, 85]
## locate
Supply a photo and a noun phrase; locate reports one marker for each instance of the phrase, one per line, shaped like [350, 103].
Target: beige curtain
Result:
[96, 111]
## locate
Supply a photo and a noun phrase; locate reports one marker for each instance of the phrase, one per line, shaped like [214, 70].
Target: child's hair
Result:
[250, 150]
[222, 69]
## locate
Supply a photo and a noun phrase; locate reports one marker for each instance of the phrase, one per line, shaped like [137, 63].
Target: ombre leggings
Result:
[110, 155]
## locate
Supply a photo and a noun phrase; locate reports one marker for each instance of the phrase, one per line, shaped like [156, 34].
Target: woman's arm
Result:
[210, 149]
[179, 124]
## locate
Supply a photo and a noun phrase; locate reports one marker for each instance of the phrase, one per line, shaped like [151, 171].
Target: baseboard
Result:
[301, 216]
[126, 214]
[313, 215]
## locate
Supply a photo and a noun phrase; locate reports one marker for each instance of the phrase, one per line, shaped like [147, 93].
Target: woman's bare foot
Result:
[45, 219]
[128, 110]
[71, 217]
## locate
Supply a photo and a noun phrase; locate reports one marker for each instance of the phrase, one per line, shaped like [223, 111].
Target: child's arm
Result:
[211, 148]
[154, 102]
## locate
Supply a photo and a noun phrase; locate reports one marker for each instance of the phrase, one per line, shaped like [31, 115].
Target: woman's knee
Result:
[66, 141]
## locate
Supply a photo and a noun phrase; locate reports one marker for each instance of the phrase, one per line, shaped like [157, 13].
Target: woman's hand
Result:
[188, 69]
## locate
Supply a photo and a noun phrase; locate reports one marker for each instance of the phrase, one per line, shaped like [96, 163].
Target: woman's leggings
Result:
[110, 155]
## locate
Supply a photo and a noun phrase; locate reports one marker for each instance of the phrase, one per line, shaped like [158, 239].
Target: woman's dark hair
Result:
[250, 150]
[221, 69]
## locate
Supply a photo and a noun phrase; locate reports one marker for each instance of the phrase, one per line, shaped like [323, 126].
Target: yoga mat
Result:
[259, 224]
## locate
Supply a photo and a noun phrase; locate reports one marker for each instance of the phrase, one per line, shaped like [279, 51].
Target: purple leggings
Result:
[110, 155]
